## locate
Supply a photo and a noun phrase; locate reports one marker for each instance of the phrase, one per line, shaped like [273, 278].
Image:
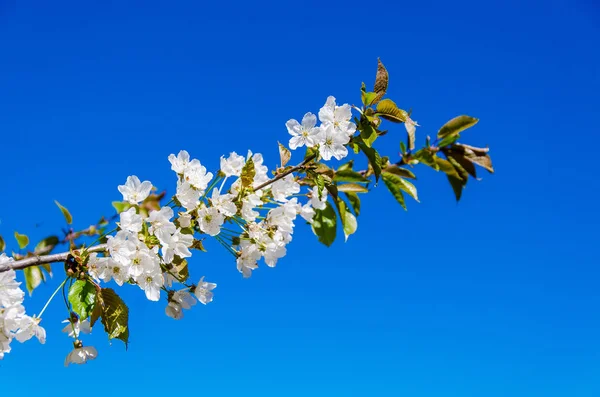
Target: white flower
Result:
[285, 187]
[187, 196]
[210, 220]
[232, 166]
[131, 221]
[143, 261]
[180, 163]
[114, 270]
[223, 203]
[76, 328]
[184, 299]
[161, 220]
[307, 212]
[196, 175]
[261, 171]
[185, 220]
[135, 191]
[305, 134]
[151, 283]
[28, 328]
[80, 354]
[410, 126]
[174, 310]
[332, 143]
[10, 293]
[248, 204]
[175, 244]
[203, 291]
[249, 255]
[122, 246]
[273, 252]
[338, 116]
[317, 202]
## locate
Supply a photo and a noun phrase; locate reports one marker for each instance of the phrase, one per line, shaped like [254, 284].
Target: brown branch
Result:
[284, 174]
[43, 259]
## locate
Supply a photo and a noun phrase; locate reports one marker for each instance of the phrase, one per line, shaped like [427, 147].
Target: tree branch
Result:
[43, 259]
[283, 175]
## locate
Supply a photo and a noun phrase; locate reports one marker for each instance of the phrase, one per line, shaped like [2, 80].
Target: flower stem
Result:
[52, 296]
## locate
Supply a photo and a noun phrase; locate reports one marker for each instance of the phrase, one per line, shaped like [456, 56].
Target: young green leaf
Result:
[248, 173]
[388, 110]
[82, 296]
[324, 225]
[354, 202]
[391, 182]
[284, 154]
[348, 175]
[114, 314]
[374, 158]
[121, 206]
[352, 187]
[22, 240]
[456, 126]
[33, 278]
[65, 213]
[381, 81]
[403, 172]
[2, 244]
[367, 132]
[46, 246]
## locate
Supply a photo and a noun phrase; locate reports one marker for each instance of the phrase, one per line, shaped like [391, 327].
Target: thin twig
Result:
[43, 259]
[284, 174]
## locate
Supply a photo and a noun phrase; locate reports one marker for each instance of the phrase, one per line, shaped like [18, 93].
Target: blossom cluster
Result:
[14, 323]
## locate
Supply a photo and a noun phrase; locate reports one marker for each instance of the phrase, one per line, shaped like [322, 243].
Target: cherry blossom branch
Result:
[44, 259]
[286, 173]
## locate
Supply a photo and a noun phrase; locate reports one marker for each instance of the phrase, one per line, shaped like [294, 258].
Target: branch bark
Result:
[284, 174]
[43, 259]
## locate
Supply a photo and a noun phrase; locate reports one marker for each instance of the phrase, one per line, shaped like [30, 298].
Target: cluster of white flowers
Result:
[331, 136]
[253, 217]
[14, 323]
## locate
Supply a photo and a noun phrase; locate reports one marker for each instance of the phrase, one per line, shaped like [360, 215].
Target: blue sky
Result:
[495, 296]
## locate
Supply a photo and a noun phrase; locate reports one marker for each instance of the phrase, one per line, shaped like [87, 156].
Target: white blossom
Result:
[232, 166]
[203, 291]
[180, 163]
[131, 221]
[81, 355]
[175, 244]
[185, 220]
[223, 203]
[76, 327]
[285, 187]
[151, 284]
[28, 328]
[332, 143]
[305, 134]
[338, 116]
[161, 220]
[210, 220]
[187, 196]
[196, 175]
[134, 191]
[317, 201]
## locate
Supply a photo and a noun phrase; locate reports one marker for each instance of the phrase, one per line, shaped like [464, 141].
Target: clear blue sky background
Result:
[496, 296]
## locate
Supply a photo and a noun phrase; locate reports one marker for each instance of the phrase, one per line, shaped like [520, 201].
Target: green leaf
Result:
[284, 154]
[457, 186]
[352, 187]
[33, 278]
[121, 206]
[476, 155]
[2, 244]
[456, 126]
[381, 81]
[402, 184]
[387, 109]
[368, 98]
[248, 173]
[403, 172]
[46, 246]
[114, 314]
[348, 175]
[449, 140]
[349, 224]
[82, 296]
[390, 181]
[65, 213]
[346, 166]
[367, 132]
[354, 202]
[180, 269]
[22, 240]
[324, 225]
[374, 158]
